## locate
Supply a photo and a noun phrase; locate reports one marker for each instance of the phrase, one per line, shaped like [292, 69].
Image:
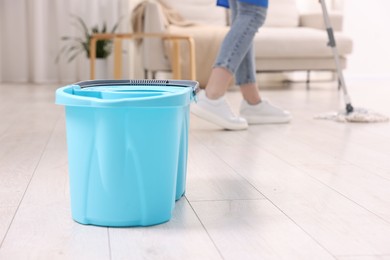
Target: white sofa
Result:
[290, 40]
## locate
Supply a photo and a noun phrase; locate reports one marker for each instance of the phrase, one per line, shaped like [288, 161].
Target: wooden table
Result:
[117, 39]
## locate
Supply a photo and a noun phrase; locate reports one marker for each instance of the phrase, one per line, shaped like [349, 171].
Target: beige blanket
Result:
[172, 17]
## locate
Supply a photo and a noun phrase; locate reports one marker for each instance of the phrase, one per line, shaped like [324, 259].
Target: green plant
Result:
[76, 45]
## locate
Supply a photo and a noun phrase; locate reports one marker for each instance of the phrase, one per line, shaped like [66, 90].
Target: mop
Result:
[350, 114]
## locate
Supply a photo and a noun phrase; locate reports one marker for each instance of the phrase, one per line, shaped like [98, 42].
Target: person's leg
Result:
[246, 79]
[250, 93]
[246, 19]
[212, 105]
[253, 108]
[218, 82]
[220, 77]
[246, 72]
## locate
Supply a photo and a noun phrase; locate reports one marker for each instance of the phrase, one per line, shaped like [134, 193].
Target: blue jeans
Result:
[236, 53]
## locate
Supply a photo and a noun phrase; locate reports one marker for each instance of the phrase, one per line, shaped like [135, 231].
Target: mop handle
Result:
[332, 44]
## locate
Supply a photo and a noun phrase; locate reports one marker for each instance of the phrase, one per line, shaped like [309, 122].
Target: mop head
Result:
[358, 115]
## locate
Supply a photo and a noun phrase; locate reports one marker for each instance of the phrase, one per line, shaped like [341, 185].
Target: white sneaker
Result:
[218, 112]
[263, 113]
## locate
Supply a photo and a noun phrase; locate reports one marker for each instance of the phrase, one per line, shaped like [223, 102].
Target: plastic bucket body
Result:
[183, 153]
[127, 150]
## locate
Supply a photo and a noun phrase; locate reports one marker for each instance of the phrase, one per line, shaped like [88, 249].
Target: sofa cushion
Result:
[298, 42]
[286, 64]
[199, 11]
[316, 20]
[282, 13]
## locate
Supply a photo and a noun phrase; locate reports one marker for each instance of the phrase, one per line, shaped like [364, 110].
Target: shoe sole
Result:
[267, 120]
[209, 117]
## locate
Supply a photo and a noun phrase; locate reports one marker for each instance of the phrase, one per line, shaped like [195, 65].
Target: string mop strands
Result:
[358, 115]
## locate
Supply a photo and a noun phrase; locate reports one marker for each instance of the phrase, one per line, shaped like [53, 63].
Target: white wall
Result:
[31, 31]
[368, 23]
[1, 39]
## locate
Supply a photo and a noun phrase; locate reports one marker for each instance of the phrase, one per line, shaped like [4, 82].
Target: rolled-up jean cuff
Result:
[223, 66]
[241, 83]
[237, 81]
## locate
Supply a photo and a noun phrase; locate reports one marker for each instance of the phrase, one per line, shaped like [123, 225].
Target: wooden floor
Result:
[312, 189]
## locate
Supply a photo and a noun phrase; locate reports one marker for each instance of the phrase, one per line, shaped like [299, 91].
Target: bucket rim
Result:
[69, 95]
[136, 82]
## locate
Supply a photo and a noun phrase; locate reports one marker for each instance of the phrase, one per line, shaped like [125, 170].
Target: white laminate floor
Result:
[311, 189]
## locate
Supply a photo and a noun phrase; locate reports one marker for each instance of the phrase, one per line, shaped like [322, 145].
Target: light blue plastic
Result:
[127, 151]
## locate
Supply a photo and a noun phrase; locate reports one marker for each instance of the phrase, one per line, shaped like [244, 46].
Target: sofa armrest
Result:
[154, 58]
[155, 21]
[316, 20]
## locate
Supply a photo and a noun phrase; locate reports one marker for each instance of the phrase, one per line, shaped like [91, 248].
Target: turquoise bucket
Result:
[127, 149]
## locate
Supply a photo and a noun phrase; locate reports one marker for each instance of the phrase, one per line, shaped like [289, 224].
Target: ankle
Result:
[213, 95]
[253, 102]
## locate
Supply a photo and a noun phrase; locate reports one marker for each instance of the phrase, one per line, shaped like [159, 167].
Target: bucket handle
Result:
[143, 82]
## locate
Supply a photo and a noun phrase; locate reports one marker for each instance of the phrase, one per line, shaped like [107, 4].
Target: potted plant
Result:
[75, 46]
